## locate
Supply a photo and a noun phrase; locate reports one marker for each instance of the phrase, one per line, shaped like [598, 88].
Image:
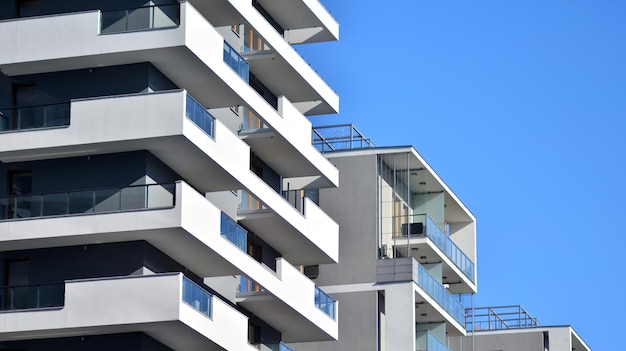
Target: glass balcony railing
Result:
[30, 117]
[136, 197]
[435, 290]
[422, 224]
[427, 341]
[196, 297]
[324, 302]
[232, 231]
[200, 116]
[249, 202]
[140, 18]
[272, 347]
[32, 296]
[236, 62]
[247, 285]
[250, 121]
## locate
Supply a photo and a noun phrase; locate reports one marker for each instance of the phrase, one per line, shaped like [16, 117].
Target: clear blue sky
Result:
[520, 106]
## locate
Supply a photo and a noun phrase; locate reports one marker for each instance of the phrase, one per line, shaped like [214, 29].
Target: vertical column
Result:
[400, 317]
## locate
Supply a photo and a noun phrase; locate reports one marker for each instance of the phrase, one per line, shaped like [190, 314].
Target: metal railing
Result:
[339, 137]
[32, 296]
[427, 341]
[140, 18]
[200, 116]
[196, 297]
[35, 116]
[435, 290]
[134, 197]
[422, 224]
[236, 62]
[499, 317]
[324, 302]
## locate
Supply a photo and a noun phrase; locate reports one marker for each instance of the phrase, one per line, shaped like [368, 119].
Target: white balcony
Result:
[155, 122]
[152, 304]
[300, 320]
[277, 64]
[189, 53]
[285, 145]
[425, 241]
[286, 225]
[304, 21]
[433, 303]
[188, 232]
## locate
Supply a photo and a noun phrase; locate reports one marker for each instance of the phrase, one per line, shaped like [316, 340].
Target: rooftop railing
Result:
[435, 290]
[427, 341]
[32, 296]
[134, 197]
[140, 18]
[36, 116]
[422, 224]
[324, 302]
[498, 318]
[339, 137]
[236, 62]
[196, 297]
[200, 116]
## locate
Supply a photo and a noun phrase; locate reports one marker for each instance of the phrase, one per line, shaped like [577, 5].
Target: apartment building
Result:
[512, 328]
[407, 248]
[145, 151]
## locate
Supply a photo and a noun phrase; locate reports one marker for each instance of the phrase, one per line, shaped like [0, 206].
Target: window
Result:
[25, 8]
[16, 281]
[26, 95]
[20, 184]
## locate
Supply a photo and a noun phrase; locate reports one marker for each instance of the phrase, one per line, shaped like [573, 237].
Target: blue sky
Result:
[520, 107]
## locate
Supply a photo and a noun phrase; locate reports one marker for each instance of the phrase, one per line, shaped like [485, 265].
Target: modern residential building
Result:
[511, 328]
[407, 248]
[145, 151]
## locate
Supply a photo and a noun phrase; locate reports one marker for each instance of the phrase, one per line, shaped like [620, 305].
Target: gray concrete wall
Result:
[527, 341]
[353, 206]
[358, 325]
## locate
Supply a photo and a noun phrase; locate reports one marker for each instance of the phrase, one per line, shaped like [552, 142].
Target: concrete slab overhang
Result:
[151, 304]
[157, 123]
[304, 21]
[189, 233]
[424, 250]
[428, 309]
[300, 320]
[190, 54]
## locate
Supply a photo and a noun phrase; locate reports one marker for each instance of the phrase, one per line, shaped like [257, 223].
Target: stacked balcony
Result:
[182, 129]
[433, 301]
[150, 304]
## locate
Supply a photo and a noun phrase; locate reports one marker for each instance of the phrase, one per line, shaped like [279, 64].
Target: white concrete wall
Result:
[400, 316]
[432, 205]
